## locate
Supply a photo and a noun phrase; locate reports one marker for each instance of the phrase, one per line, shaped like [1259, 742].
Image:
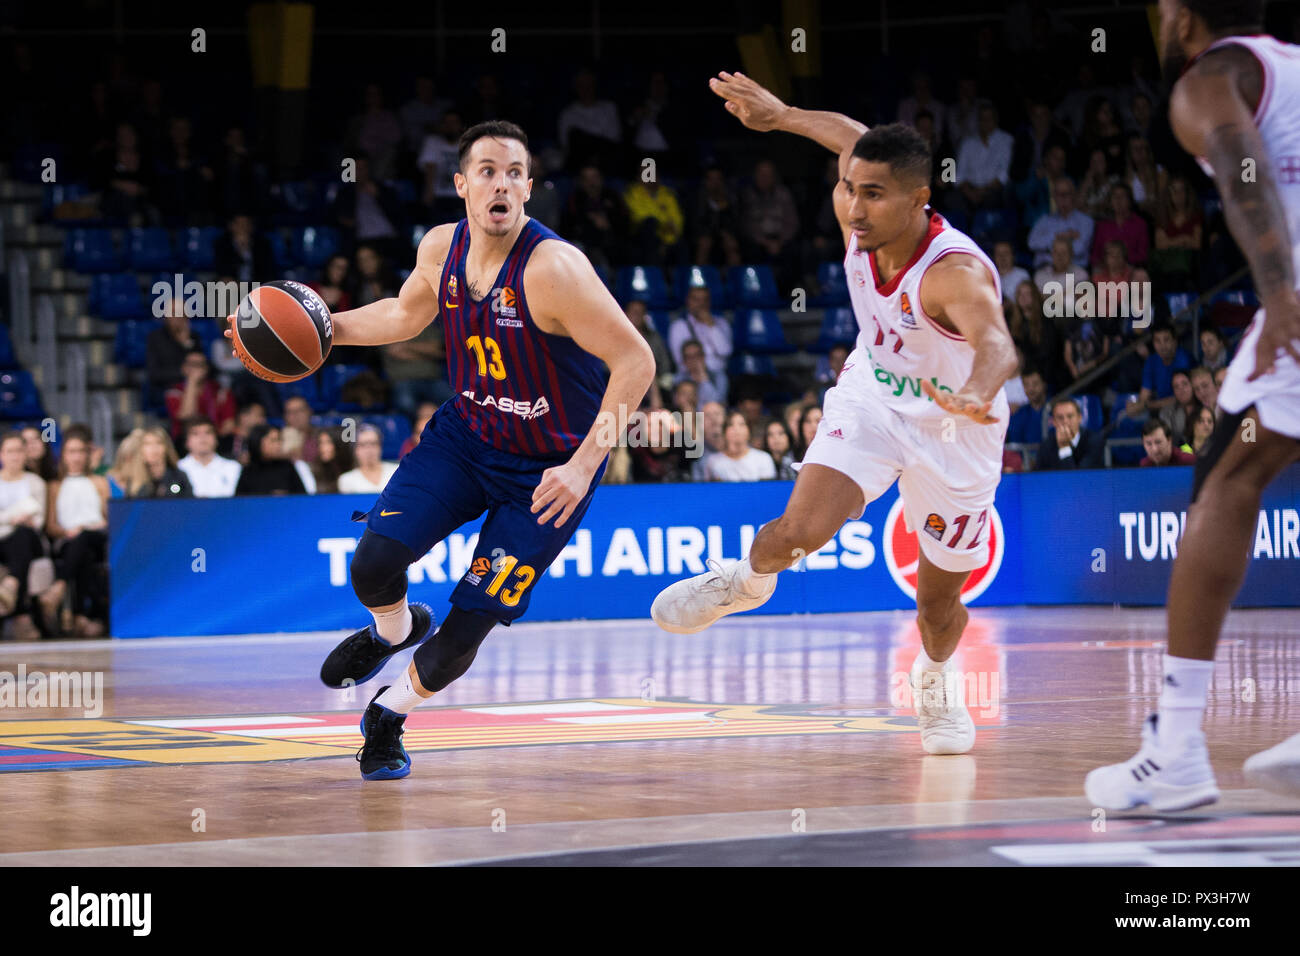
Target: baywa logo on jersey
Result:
[480, 567]
[511, 406]
[902, 548]
[905, 304]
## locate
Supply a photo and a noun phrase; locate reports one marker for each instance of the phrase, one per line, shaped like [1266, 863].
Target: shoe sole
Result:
[683, 629]
[1172, 802]
[1275, 777]
[388, 657]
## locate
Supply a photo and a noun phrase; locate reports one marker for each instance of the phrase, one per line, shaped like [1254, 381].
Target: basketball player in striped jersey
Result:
[1235, 106]
[540, 355]
[919, 401]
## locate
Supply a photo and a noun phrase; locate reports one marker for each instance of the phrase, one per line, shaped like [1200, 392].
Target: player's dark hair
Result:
[496, 129]
[1229, 16]
[899, 145]
[1156, 425]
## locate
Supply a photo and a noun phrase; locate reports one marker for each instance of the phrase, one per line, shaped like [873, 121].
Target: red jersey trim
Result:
[890, 287]
[920, 308]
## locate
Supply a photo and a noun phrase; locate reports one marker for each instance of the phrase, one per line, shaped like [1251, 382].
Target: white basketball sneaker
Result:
[1276, 769]
[1177, 777]
[939, 699]
[692, 604]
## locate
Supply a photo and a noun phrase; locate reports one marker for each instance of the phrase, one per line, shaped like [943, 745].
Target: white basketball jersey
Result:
[903, 345]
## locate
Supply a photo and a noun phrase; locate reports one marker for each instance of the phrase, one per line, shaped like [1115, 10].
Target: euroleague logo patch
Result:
[480, 567]
[902, 552]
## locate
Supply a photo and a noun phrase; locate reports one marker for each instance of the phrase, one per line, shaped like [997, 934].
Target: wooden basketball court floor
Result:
[765, 740]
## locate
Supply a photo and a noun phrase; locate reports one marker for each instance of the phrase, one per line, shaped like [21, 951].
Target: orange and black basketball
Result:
[282, 331]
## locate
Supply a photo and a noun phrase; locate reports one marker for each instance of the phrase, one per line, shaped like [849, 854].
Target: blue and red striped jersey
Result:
[518, 388]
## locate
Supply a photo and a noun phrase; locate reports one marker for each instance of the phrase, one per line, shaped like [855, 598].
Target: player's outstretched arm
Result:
[1211, 117]
[565, 296]
[406, 314]
[760, 109]
[959, 290]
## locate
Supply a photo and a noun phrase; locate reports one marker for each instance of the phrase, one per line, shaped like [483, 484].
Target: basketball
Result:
[282, 331]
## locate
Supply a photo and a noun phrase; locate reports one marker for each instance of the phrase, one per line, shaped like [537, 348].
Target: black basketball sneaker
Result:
[382, 756]
[362, 655]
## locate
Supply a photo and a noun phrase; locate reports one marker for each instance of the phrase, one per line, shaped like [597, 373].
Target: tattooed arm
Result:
[1211, 112]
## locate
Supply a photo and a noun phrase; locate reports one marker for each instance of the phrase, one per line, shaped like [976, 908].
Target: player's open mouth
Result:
[498, 211]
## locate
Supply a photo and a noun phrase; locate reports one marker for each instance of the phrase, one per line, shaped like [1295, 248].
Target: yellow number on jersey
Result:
[489, 359]
[524, 576]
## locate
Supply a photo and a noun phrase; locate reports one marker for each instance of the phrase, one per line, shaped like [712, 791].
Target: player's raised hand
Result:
[750, 102]
[1280, 334]
[960, 403]
[561, 489]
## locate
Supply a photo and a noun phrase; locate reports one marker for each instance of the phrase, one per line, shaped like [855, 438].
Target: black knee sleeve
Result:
[446, 656]
[379, 569]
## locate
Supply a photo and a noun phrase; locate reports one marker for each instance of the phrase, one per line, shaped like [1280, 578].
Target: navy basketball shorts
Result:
[452, 476]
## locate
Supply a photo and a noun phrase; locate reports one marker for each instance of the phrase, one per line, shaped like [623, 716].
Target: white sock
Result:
[394, 626]
[751, 583]
[1183, 697]
[925, 664]
[402, 697]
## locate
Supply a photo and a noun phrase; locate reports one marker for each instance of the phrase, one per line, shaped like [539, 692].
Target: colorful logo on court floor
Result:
[902, 551]
[27, 745]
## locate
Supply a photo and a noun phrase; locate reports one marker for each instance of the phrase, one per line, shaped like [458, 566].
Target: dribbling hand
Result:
[754, 105]
[559, 492]
[960, 403]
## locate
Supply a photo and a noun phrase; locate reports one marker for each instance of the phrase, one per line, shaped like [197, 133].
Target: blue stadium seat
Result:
[283, 253]
[834, 285]
[661, 321]
[396, 429]
[645, 283]
[686, 277]
[129, 345]
[1126, 427]
[404, 190]
[197, 247]
[7, 359]
[56, 194]
[93, 250]
[313, 245]
[747, 363]
[754, 287]
[1093, 418]
[759, 330]
[603, 274]
[151, 248]
[19, 397]
[115, 295]
[332, 378]
[838, 325]
[299, 202]
[1177, 301]
[308, 388]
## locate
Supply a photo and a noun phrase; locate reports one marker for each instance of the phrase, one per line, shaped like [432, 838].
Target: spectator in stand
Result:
[698, 322]
[22, 519]
[1207, 392]
[1178, 415]
[298, 437]
[770, 223]
[166, 348]
[375, 278]
[596, 218]
[1101, 130]
[984, 163]
[544, 202]
[40, 460]
[487, 102]
[1095, 186]
[717, 221]
[638, 316]
[210, 475]
[713, 417]
[1025, 427]
[417, 369]
[235, 445]
[123, 182]
[1009, 274]
[653, 457]
[1035, 334]
[1219, 375]
[1035, 191]
[1114, 266]
[828, 369]
[1059, 268]
[963, 115]
[333, 459]
[240, 254]
[439, 162]
[235, 175]
[686, 398]
[1145, 177]
[370, 209]
[1178, 232]
[657, 223]
[76, 521]
[423, 412]
[184, 179]
[128, 449]
[268, 471]
[649, 131]
[1067, 222]
[779, 444]
[1157, 375]
[1123, 224]
[1202, 428]
[737, 461]
[750, 404]
[1214, 349]
[377, 132]
[371, 473]
[589, 127]
[1034, 141]
[1072, 446]
[335, 280]
[808, 422]
[420, 114]
[199, 394]
[921, 100]
[1160, 447]
[153, 472]
[711, 385]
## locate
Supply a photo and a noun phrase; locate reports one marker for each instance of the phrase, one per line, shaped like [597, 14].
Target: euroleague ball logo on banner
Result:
[902, 553]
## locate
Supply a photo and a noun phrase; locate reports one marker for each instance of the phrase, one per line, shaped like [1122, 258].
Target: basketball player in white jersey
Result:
[919, 401]
[1236, 107]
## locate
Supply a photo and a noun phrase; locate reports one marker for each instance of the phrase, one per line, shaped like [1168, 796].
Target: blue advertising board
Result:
[252, 565]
